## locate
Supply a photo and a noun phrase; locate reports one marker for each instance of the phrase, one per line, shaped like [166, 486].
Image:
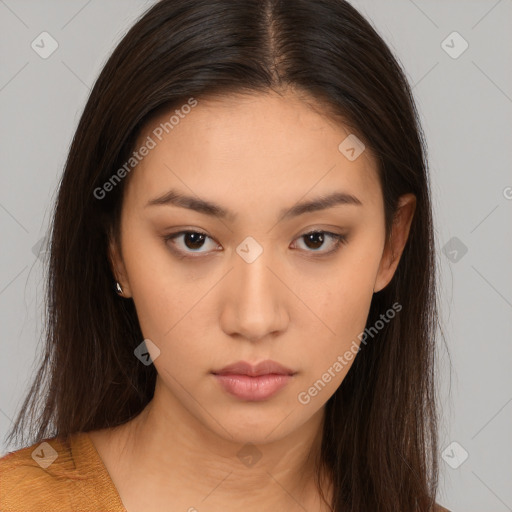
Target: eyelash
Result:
[338, 241]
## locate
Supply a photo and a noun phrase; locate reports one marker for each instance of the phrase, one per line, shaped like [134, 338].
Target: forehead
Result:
[258, 149]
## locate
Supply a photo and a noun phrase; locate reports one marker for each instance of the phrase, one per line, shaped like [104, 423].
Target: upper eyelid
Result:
[338, 237]
[308, 232]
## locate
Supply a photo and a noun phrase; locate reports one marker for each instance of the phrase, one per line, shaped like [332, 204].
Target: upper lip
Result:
[263, 368]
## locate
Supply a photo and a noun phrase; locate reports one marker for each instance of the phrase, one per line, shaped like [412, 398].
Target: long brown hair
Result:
[380, 434]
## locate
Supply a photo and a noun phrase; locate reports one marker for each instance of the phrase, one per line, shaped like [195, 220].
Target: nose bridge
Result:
[255, 304]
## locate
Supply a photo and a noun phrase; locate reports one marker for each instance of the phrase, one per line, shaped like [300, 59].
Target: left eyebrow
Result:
[320, 203]
[175, 198]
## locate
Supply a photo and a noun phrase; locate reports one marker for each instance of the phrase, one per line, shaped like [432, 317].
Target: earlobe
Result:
[121, 284]
[396, 241]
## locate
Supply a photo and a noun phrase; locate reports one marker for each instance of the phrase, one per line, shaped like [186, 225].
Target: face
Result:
[233, 268]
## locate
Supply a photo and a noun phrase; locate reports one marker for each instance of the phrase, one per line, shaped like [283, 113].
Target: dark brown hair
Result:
[380, 434]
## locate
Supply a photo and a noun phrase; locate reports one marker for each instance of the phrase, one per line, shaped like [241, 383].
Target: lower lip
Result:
[253, 388]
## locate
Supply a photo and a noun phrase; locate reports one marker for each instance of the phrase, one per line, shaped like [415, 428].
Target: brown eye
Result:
[186, 243]
[315, 240]
[191, 241]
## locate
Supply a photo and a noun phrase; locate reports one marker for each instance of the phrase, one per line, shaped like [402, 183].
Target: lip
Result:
[263, 368]
[253, 382]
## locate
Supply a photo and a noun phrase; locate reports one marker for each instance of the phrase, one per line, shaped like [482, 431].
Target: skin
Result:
[254, 155]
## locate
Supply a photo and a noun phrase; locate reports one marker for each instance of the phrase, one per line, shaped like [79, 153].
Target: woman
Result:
[241, 299]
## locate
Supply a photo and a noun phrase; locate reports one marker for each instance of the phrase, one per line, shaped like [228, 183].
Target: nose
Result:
[255, 300]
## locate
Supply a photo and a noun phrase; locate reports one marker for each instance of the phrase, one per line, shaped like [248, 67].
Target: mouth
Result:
[253, 382]
[267, 367]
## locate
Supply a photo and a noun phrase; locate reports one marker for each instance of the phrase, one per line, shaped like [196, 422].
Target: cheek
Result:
[171, 312]
[341, 303]
[343, 311]
[342, 297]
[159, 292]
[328, 357]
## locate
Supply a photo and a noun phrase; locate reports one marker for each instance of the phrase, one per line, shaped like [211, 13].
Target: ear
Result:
[396, 242]
[117, 265]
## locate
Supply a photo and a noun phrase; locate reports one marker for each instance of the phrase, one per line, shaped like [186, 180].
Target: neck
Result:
[219, 471]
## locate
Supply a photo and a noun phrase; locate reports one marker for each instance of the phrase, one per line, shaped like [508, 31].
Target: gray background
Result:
[466, 109]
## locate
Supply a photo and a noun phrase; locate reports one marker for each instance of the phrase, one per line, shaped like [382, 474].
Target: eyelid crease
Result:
[339, 239]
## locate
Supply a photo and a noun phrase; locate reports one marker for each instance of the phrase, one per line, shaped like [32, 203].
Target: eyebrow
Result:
[176, 198]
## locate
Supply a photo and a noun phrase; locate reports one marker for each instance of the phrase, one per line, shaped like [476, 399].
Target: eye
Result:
[192, 241]
[316, 239]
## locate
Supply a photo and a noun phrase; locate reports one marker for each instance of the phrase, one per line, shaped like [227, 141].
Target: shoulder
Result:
[439, 508]
[34, 477]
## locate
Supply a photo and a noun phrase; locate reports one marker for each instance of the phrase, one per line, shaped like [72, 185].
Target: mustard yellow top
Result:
[57, 475]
